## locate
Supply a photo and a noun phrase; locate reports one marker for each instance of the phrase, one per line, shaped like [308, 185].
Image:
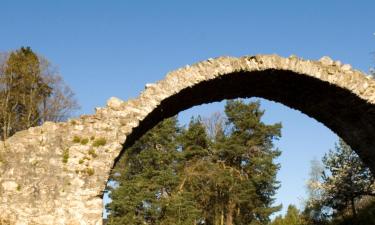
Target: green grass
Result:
[76, 139]
[99, 142]
[84, 141]
[90, 171]
[93, 153]
[65, 155]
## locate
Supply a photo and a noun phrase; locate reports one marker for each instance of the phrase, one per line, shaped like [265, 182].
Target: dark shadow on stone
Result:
[349, 116]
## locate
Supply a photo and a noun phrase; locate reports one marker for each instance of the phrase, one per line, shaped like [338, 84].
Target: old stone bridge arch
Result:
[55, 173]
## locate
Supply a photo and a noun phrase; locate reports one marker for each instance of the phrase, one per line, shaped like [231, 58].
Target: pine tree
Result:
[346, 179]
[173, 176]
[292, 217]
[148, 182]
[249, 150]
[235, 178]
[30, 93]
[22, 93]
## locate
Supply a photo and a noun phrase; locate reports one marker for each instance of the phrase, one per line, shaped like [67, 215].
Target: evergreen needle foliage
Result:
[175, 175]
[31, 92]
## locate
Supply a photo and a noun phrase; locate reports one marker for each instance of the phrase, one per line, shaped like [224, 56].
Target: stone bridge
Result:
[55, 174]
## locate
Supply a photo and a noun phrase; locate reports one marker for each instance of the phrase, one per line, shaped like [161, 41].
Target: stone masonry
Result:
[55, 174]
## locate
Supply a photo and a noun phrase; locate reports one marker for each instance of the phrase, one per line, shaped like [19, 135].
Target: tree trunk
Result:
[222, 217]
[354, 211]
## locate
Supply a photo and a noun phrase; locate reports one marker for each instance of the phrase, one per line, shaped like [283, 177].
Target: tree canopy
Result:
[31, 92]
[176, 175]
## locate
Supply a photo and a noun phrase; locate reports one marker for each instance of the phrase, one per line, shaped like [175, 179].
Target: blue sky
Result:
[112, 48]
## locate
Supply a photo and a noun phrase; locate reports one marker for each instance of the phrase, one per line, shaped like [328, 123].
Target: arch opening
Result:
[346, 114]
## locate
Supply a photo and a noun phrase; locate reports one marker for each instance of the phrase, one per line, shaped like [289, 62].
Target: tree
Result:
[148, 182]
[292, 217]
[61, 102]
[315, 212]
[30, 92]
[347, 179]
[186, 176]
[248, 149]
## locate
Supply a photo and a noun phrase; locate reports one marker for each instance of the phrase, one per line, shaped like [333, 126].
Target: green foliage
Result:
[174, 175]
[65, 155]
[30, 93]
[343, 190]
[366, 216]
[92, 153]
[23, 92]
[89, 171]
[84, 141]
[76, 139]
[347, 179]
[99, 142]
[292, 217]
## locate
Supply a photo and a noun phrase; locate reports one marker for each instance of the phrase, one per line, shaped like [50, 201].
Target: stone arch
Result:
[41, 185]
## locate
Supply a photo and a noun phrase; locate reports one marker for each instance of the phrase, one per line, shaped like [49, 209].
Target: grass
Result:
[84, 141]
[90, 171]
[99, 142]
[93, 153]
[76, 139]
[65, 155]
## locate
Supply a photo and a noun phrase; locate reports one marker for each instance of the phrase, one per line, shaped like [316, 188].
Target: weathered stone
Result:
[9, 186]
[114, 103]
[56, 173]
[325, 60]
[346, 67]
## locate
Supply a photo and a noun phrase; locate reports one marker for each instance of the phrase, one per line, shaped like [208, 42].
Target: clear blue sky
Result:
[112, 48]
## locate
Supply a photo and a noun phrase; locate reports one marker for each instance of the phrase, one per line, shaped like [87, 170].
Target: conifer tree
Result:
[292, 217]
[30, 92]
[248, 149]
[346, 179]
[148, 178]
[174, 176]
